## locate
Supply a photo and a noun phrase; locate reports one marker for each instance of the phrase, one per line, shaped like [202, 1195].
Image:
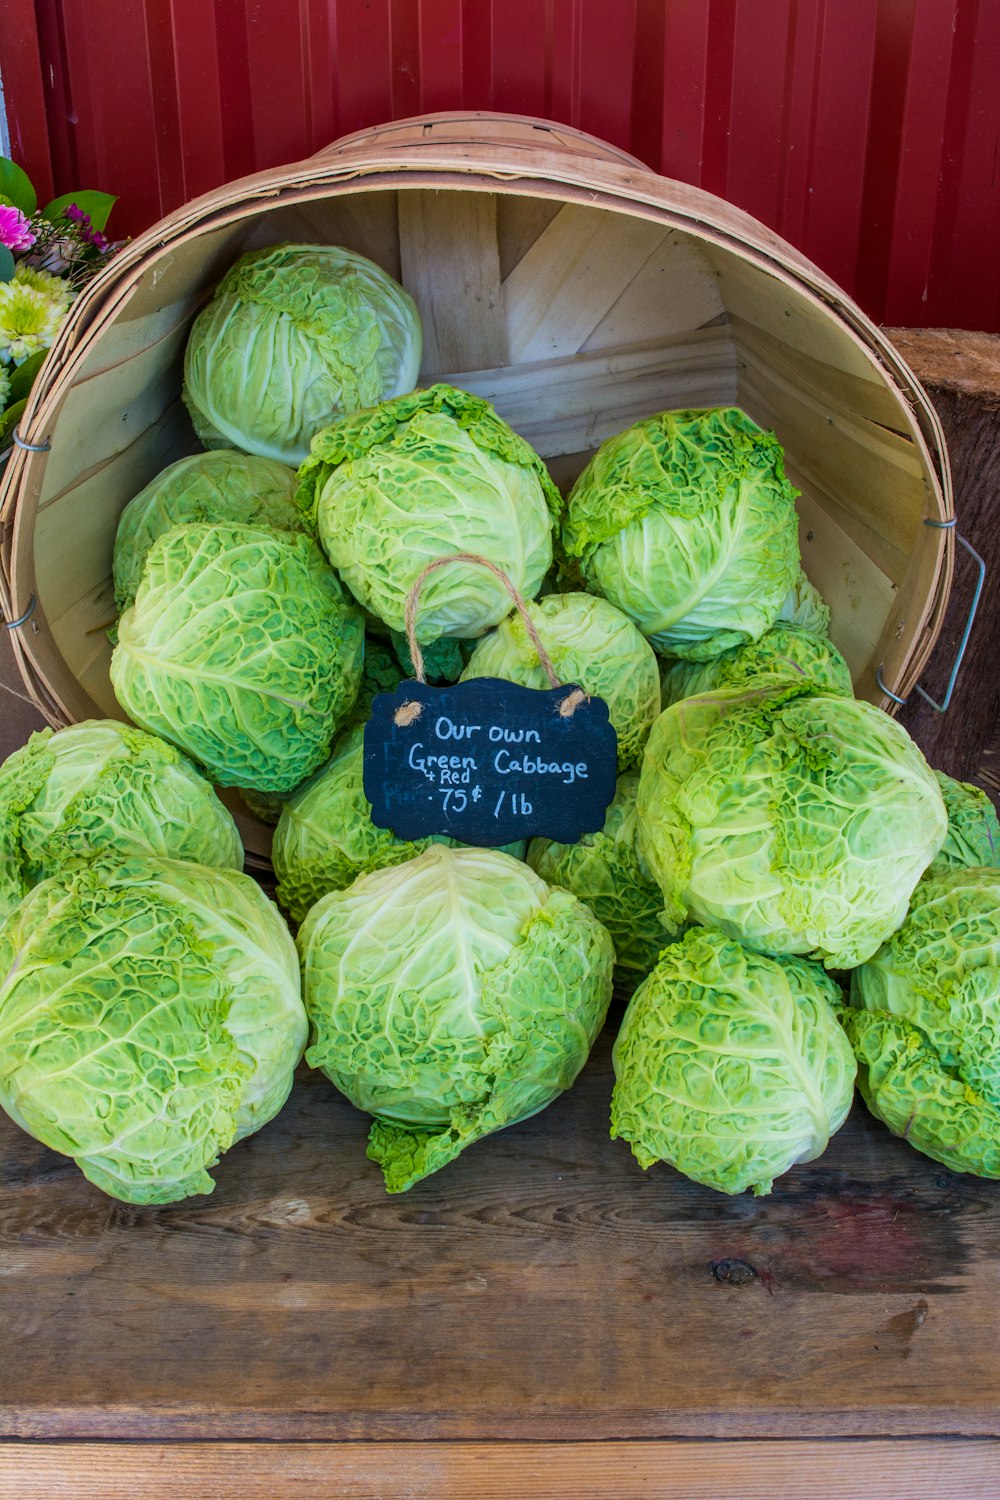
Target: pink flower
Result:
[15, 231]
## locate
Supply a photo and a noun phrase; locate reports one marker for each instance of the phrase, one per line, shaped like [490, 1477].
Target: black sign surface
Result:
[489, 762]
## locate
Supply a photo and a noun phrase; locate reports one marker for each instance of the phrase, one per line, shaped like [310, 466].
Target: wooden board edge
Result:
[838, 1469]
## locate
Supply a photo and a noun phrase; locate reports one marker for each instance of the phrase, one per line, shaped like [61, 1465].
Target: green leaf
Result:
[88, 201]
[15, 187]
[22, 378]
[6, 264]
[9, 421]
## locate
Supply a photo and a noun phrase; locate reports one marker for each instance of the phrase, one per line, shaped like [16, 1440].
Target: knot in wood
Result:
[733, 1272]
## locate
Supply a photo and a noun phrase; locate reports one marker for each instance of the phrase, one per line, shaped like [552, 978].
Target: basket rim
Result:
[607, 184]
[369, 161]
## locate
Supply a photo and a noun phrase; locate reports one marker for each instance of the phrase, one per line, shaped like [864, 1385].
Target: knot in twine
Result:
[408, 712]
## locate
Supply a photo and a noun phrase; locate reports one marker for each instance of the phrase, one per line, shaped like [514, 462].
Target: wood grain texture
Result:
[542, 1287]
[571, 405]
[919, 1470]
[571, 278]
[451, 267]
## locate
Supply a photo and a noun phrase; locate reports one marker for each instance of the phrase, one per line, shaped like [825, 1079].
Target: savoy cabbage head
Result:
[605, 870]
[940, 971]
[805, 606]
[325, 837]
[150, 1016]
[219, 486]
[100, 786]
[973, 839]
[783, 651]
[295, 335]
[687, 523]
[421, 477]
[905, 1084]
[795, 821]
[451, 996]
[241, 649]
[731, 1065]
[591, 643]
[925, 1022]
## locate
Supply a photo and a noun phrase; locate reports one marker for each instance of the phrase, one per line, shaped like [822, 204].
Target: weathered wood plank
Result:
[875, 473]
[859, 593]
[674, 291]
[75, 530]
[520, 221]
[855, 390]
[871, 1470]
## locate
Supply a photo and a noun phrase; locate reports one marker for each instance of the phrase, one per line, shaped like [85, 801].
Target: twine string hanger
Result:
[409, 712]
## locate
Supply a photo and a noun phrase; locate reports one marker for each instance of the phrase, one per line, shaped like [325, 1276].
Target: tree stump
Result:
[961, 373]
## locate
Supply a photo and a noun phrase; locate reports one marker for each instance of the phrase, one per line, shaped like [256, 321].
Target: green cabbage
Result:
[905, 1085]
[325, 836]
[240, 649]
[973, 828]
[604, 870]
[590, 643]
[294, 336]
[381, 673]
[730, 1065]
[430, 474]
[784, 651]
[940, 971]
[444, 659]
[449, 997]
[795, 821]
[687, 523]
[150, 1016]
[219, 486]
[103, 786]
[805, 606]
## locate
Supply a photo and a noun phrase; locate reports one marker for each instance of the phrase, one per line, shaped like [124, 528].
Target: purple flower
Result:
[15, 231]
[86, 233]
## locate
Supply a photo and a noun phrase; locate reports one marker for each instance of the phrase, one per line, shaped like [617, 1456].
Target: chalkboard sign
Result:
[488, 762]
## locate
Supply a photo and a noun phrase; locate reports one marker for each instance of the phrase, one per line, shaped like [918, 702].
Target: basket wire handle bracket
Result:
[17, 441]
[942, 707]
[30, 447]
[22, 619]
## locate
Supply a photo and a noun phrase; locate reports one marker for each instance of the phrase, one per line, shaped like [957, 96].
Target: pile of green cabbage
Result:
[784, 894]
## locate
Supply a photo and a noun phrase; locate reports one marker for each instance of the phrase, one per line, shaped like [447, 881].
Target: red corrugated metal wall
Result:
[864, 131]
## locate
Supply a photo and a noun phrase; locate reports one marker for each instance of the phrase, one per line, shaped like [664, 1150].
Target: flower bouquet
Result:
[47, 255]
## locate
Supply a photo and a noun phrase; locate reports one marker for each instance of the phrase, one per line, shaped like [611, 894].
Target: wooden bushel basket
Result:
[558, 278]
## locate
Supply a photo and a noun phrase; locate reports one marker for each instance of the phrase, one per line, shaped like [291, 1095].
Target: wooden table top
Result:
[540, 1289]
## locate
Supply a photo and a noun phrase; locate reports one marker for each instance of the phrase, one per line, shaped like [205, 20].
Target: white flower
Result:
[31, 311]
[53, 287]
